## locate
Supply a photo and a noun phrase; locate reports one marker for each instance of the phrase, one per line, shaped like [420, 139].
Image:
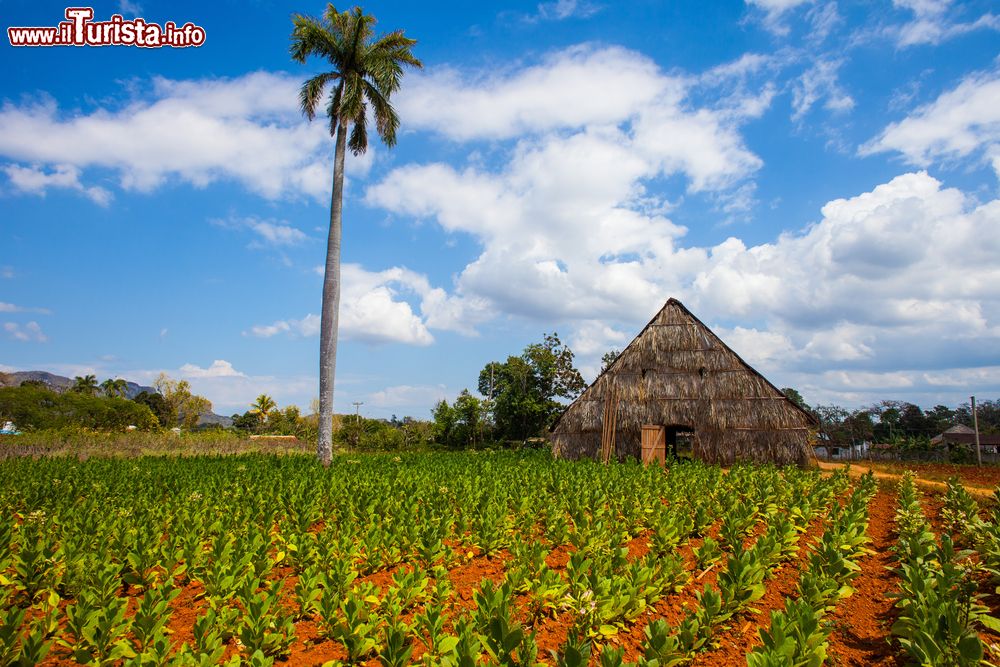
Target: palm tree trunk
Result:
[330, 318]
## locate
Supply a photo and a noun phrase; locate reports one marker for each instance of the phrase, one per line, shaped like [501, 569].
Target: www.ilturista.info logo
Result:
[81, 30]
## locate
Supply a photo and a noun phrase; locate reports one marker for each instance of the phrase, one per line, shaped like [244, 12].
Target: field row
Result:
[447, 560]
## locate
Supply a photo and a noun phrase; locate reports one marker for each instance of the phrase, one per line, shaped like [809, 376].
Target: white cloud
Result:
[591, 340]
[7, 272]
[823, 19]
[246, 129]
[407, 399]
[763, 349]
[926, 388]
[568, 217]
[269, 233]
[219, 368]
[870, 259]
[560, 10]
[746, 65]
[578, 86]
[820, 82]
[931, 23]
[307, 326]
[960, 122]
[231, 390]
[374, 309]
[569, 235]
[601, 91]
[902, 273]
[595, 338]
[14, 308]
[35, 180]
[31, 331]
[775, 12]
[129, 9]
[277, 234]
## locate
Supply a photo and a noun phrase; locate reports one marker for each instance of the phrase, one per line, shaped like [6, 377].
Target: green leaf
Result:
[970, 648]
[989, 622]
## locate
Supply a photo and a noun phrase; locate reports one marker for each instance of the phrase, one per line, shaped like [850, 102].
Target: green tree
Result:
[365, 71]
[468, 427]
[248, 421]
[165, 416]
[38, 408]
[288, 421]
[185, 407]
[444, 423]
[86, 384]
[417, 434]
[609, 358]
[263, 406]
[940, 418]
[987, 412]
[116, 387]
[523, 391]
[795, 397]
[832, 419]
[888, 428]
[859, 426]
[914, 422]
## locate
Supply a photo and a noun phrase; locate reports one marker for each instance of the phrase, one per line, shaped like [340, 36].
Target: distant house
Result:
[842, 452]
[961, 435]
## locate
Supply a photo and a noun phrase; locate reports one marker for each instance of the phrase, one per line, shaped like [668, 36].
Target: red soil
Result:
[862, 621]
[741, 635]
[985, 476]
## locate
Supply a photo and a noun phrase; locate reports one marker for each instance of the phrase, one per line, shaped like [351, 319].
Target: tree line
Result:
[897, 423]
[104, 406]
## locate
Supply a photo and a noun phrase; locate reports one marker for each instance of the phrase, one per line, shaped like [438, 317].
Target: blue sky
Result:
[816, 180]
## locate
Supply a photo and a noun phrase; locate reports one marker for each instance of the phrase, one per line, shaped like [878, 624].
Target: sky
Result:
[816, 180]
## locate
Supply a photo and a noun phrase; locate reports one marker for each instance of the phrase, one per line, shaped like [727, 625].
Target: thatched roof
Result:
[960, 434]
[678, 373]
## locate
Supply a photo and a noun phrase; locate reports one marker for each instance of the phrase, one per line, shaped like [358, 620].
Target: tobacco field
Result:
[486, 559]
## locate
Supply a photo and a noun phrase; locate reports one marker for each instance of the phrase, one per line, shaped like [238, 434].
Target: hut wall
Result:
[724, 447]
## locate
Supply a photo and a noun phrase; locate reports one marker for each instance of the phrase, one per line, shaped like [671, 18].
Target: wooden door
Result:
[654, 444]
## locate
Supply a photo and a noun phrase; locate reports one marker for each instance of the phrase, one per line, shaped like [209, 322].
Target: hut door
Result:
[679, 440]
[654, 442]
[672, 442]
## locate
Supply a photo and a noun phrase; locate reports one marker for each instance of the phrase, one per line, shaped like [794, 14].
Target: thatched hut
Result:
[678, 375]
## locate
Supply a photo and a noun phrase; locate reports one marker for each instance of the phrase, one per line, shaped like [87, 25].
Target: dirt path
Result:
[862, 621]
[857, 469]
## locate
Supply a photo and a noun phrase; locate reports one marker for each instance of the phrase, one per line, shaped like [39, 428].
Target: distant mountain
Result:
[132, 389]
[60, 383]
[56, 382]
[210, 418]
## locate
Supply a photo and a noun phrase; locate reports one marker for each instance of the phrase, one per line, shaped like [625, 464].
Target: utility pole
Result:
[357, 420]
[975, 425]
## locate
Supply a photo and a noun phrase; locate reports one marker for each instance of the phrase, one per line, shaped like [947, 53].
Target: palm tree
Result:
[85, 385]
[116, 387]
[263, 406]
[365, 72]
